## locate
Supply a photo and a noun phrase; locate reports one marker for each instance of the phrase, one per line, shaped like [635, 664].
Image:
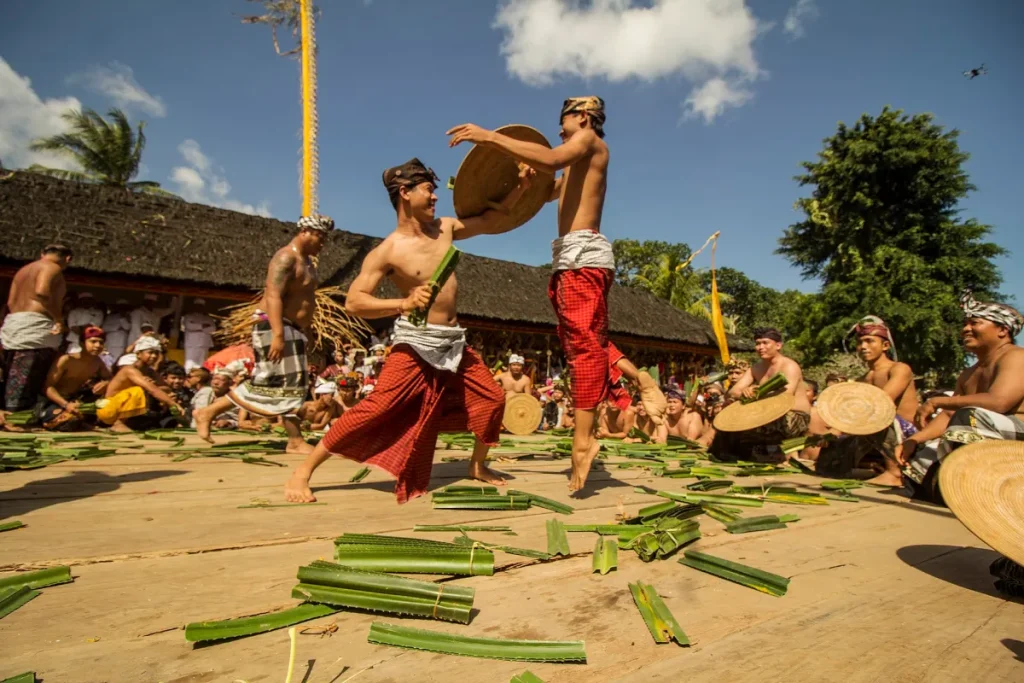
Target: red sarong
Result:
[580, 300]
[395, 428]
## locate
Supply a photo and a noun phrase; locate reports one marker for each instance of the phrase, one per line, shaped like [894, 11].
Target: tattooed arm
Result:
[279, 275]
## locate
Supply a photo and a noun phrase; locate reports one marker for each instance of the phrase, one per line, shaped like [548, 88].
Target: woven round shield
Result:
[487, 175]
[856, 408]
[739, 417]
[522, 414]
[983, 484]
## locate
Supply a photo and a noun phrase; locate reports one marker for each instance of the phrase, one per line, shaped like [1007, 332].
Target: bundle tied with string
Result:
[331, 322]
[487, 175]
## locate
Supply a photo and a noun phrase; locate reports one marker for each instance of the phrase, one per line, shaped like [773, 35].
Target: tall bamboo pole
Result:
[310, 156]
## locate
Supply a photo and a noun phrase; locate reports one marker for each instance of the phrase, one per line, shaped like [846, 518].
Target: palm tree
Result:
[674, 281]
[108, 152]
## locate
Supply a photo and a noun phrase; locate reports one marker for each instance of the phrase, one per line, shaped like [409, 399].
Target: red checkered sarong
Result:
[395, 428]
[580, 300]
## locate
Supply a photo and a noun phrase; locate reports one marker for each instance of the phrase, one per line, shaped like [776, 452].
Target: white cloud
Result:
[711, 99]
[24, 116]
[117, 81]
[203, 183]
[705, 41]
[802, 11]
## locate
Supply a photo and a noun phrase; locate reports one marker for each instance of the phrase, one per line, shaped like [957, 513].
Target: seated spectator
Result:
[812, 390]
[347, 395]
[222, 382]
[655, 433]
[134, 400]
[254, 422]
[613, 421]
[340, 366]
[833, 378]
[680, 419]
[322, 409]
[173, 376]
[202, 392]
[74, 379]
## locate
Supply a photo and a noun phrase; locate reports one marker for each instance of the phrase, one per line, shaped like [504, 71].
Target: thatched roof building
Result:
[151, 243]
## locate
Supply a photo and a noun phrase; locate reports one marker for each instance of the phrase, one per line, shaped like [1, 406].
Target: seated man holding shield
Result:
[753, 442]
[988, 402]
[876, 347]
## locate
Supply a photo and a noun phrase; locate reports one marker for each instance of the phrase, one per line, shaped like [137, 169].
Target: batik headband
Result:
[1000, 314]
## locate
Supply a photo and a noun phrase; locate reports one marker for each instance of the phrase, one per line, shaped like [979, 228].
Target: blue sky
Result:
[765, 82]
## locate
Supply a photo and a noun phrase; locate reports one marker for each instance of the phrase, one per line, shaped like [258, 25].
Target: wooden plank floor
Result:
[882, 590]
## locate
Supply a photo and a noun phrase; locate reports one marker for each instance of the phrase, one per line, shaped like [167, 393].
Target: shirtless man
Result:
[657, 433]
[322, 409]
[73, 379]
[279, 382]
[613, 422]
[682, 420]
[134, 401]
[768, 345]
[513, 381]
[432, 381]
[584, 268]
[32, 329]
[988, 402]
[876, 348]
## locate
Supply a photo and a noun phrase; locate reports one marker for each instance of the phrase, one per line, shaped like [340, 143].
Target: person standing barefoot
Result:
[279, 381]
[584, 269]
[432, 382]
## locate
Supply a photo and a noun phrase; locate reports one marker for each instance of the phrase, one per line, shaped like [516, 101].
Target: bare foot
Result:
[480, 471]
[120, 427]
[886, 479]
[203, 417]
[581, 466]
[298, 447]
[297, 490]
[654, 402]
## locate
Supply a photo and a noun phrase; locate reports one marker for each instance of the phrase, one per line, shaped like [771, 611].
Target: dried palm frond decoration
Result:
[331, 322]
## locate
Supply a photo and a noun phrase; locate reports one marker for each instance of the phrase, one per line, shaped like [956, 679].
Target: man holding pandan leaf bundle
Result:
[584, 268]
[432, 381]
[774, 373]
[76, 378]
[134, 401]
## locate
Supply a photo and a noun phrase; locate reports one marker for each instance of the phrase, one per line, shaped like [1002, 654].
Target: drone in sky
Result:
[971, 74]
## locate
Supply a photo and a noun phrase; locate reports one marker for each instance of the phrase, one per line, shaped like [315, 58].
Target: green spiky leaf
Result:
[490, 648]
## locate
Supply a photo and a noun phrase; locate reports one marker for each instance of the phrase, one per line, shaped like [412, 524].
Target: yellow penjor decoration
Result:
[717, 321]
[310, 157]
[717, 324]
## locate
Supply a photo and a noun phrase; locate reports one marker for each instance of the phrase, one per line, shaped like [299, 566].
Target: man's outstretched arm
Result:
[544, 159]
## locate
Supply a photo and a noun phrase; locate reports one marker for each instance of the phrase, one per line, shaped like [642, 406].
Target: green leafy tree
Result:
[752, 305]
[108, 152]
[632, 257]
[883, 234]
[672, 279]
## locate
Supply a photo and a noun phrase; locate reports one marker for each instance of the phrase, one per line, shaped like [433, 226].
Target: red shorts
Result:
[580, 300]
[395, 428]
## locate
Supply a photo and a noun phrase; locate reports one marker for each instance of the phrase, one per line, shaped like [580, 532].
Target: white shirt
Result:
[82, 317]
[143, 315]
[198, 329]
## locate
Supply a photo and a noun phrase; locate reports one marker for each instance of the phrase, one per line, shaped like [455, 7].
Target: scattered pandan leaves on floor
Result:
[27, 677]
[12, 525]
[558, 542]
[747, 525]
[526, 677]
[202, 631]
[467, 646]
[606, 555]
[759, 580]
[53, 576]
[344, 587]
[411, 555]
[360, 475]
[659, 620]
[668, 536]
[15, 597]
[841, 484]
[465, 540]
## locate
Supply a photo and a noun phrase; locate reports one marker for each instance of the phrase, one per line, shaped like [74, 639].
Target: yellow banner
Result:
[717, 324]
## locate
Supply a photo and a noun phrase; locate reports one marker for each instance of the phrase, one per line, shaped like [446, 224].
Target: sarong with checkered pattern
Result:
[395, 428]
[968, 425]
[580, 300]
